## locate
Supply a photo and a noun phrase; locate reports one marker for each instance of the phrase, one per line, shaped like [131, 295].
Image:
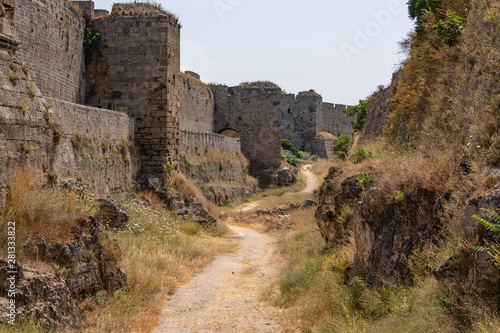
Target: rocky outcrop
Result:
[39, 295]
[88, 263]
[383, 233]
[380, 105]
[386, 234]
[336, 195]
[287, 176]
[225, 194]
[198, 213]
[112, 214]
[469, 270]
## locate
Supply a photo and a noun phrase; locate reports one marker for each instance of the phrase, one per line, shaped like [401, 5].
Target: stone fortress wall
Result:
[334, 121]
[254, 112]
[197, 104]
[60, 138]
[305, 115]
[51, 34]
[192, 142]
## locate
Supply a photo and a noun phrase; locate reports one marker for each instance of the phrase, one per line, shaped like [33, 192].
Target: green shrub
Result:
[363, 178]
[287, 145]
[289, 157]
[450, 29]
[340, 146]
[361, 155]
[92, 43]
[416, 8]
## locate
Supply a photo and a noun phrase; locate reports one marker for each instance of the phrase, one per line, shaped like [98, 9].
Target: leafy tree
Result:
[417, 8]
[359, 113]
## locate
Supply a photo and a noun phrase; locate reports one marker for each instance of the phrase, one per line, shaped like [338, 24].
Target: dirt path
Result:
[226, 297]
[309, 176]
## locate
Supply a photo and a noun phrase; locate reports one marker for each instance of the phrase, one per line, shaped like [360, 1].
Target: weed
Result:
[13, 77]
[360, 155]
[47, 114]
[30, 89]
[364, 178]
[57, 135]
[28, 147]
[25, 69]
[52, 178]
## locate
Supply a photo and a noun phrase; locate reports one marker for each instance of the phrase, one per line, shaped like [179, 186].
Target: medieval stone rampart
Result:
[255, 113]
[51, 35]
[58, 137]
[191, 142]
[305, 115]
[196, 105]
[334, 121]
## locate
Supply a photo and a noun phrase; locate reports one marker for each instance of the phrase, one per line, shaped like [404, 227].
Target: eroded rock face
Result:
[333, 198]
[39, 295]
[384, 233]
[469, 270]
[87, 262]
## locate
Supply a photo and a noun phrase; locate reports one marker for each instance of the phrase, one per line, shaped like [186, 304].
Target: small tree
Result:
[359, 112]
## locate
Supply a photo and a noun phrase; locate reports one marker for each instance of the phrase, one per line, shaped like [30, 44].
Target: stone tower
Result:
[137, 72]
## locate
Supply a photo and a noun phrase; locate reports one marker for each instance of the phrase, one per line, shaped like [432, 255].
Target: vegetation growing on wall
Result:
[92, 43]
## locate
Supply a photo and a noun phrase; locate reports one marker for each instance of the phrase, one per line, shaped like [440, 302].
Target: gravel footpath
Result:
[226, 297]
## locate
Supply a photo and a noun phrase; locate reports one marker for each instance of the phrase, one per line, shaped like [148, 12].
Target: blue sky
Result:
[342, 49]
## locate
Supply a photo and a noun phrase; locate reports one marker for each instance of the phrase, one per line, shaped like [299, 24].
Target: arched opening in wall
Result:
[232, 133]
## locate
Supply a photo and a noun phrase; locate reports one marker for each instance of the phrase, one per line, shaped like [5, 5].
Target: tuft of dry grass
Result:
[40, 210]
[152, 197]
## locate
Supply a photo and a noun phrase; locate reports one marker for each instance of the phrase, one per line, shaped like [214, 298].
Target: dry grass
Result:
[160, 253]
[152, 197]
[40, 210]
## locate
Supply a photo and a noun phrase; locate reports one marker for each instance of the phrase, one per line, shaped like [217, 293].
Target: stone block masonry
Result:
[51, 34]
[68, 140]
[306, 115]
[138, 73]
[197, 105]
[255, 113]
[335, 121]
[191, 142]
[105, 155]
